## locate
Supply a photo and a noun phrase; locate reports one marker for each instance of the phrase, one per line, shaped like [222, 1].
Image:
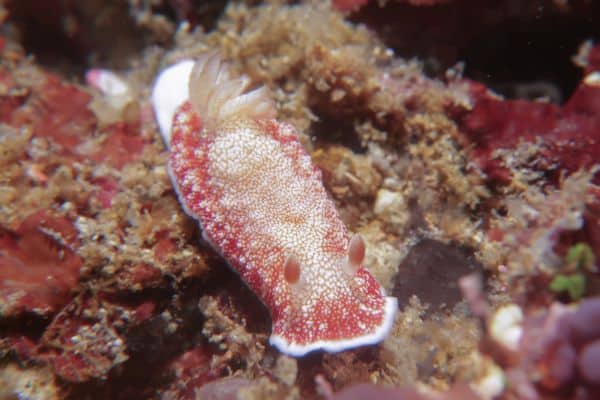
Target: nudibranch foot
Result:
[261, 204]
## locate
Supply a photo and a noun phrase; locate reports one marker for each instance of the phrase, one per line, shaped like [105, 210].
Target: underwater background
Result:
[459, 138]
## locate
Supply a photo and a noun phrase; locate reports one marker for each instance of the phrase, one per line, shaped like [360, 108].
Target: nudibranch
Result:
[262, 205]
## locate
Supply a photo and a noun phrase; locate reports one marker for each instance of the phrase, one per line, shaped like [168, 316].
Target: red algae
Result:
[193, 370]
[562, 138]
[81, 343]
[11, 98]
[106, 188]
[140, 276]
[164, 245]
[121, 144]
[59, 111]
[39, 265]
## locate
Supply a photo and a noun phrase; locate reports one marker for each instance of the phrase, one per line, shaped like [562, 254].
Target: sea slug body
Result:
[262, 205]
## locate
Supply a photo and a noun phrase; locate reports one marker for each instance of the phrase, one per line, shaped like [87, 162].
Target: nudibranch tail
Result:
[261, 204]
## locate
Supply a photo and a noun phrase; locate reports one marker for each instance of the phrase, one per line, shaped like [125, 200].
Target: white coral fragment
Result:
[506, 326]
